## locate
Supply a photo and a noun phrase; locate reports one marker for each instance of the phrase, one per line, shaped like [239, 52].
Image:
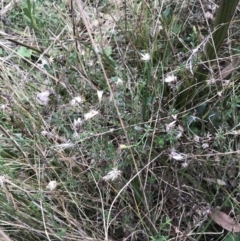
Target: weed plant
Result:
[106, 134]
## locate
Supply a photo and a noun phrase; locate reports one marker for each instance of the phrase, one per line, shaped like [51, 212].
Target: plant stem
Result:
[221, 25]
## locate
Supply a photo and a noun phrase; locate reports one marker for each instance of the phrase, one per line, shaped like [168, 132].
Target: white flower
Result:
[77, 124]
[170, 78]
[2, 180]
[76, 100]
[90, 114]
[179, 135]
[44, 62]
[211, 81]
[196, 138]
[138, 128]
[237, 132]
[46, 133]
[226, 82]
[75, 135]
[145, 57]
[96, 49]
[63, 146]
[208, 136]
[221, 182]
[122, 146]
[3, 107]
[51, 185]
[99, 94]
[205, 145]
[170, 126]
[160, 27]
[119, 82]
[184, 164]
[218, 181]
[208, 15]
[177, 156]
[112, 175]
[91, 62]
[43, 97]
[51, 59]
[180, 132]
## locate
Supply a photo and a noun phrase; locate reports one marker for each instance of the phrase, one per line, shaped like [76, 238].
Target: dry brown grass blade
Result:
[8, 7]
[225, 72]
[223, 220]
[4, 237]
[86, 23]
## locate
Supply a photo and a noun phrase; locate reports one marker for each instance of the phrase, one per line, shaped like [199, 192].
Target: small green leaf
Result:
[29, 5]
[167, 15]
[108, 51]
[27, 13]
[232, 237]
[24, 52]
[166, 12]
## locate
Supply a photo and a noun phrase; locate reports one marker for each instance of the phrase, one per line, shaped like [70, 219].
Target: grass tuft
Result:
[107, 132]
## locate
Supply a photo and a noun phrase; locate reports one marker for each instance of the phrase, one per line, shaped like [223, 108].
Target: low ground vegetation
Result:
[105, 133]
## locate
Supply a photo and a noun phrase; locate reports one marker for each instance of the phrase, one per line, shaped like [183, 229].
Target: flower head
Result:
[176, 155]
[43, 97]
[170, 78]
[119, 82]
[90, 114]
[112, 175]
[51, 185]
[77, 100]
[2, 180]
[99, 94]
[77, 124]
[145, 57]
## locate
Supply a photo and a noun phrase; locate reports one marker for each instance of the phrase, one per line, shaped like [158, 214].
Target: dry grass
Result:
[95, 143]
